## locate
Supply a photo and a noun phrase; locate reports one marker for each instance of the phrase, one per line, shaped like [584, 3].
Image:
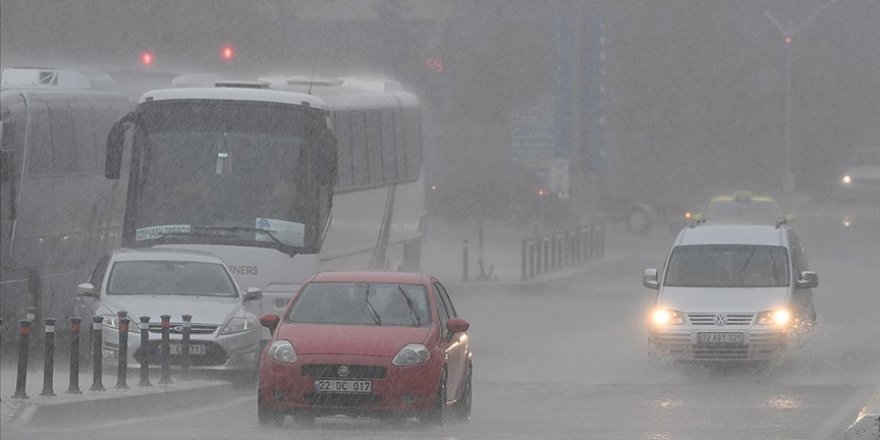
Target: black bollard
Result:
[166, 349]
[74, 356]
[24, 333]
[49, 359]
[97, 354]
[145, 352]
[184, 346]
[122, 364]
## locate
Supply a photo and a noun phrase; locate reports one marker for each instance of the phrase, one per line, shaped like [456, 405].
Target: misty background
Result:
[694, 91]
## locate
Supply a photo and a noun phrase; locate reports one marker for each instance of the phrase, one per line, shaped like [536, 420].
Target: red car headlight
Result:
[282, 351]
[411, 354]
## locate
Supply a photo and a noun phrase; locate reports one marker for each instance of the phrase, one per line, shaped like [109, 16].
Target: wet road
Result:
[569, 362]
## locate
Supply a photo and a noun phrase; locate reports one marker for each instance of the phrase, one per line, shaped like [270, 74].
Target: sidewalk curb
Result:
[542, 280]
[118, 407]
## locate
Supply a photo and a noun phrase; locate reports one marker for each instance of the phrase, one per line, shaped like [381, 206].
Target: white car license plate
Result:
[720, 338]
[343, 386]
[197, 349]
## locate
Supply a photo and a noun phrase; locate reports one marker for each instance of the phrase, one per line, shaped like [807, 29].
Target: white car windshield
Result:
[728, 266]
[170, 278]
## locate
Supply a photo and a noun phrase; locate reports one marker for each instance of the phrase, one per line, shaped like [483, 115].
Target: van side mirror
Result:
[253, 294]
[649, 279]
[115, 143]
[807, 280]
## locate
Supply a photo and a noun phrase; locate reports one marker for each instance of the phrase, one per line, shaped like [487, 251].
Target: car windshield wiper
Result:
[412, 307]
[373, 311]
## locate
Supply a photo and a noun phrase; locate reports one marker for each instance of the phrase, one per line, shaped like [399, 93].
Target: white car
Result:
[862, 176]
[224, 336]
[731, 293]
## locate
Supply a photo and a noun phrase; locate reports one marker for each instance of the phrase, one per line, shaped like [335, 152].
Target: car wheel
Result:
[437, 414]
[269, 418]
[463, 406]
[638, 221]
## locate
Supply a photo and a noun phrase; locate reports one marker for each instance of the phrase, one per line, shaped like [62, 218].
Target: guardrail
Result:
[554, 251]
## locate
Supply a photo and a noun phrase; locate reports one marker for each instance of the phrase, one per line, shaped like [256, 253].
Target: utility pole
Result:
[788, 31]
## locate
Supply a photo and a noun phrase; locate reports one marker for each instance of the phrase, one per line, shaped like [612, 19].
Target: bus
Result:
[57, 211]
[280, 178]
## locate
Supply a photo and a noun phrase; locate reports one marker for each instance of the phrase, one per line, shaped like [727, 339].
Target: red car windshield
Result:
[361, 304]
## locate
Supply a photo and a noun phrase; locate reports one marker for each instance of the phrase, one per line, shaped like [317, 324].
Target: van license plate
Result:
[720, 338]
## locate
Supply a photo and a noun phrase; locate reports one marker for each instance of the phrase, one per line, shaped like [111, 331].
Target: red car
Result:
[367, 343]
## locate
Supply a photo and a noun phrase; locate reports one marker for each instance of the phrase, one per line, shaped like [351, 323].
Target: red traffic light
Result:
[227, 52]
[147, 58]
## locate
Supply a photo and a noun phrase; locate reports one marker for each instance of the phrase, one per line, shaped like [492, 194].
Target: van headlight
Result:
[774, 317]
[282, 351]
[846, 179]
[667, 317]
[238, 325]
[411, 354]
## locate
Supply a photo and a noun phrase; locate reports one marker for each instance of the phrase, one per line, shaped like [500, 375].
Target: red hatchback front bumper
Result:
[393, 390]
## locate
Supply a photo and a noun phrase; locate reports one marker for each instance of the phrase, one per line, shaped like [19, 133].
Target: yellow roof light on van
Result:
[742, 196]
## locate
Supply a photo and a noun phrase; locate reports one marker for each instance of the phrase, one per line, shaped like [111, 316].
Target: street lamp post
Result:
[788, 33]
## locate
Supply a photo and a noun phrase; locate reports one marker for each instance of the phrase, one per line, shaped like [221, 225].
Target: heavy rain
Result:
[635, 219]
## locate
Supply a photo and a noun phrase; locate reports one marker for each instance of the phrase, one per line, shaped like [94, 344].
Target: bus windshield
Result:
[227, 172]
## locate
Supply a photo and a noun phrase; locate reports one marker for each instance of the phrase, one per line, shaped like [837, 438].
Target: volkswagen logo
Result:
[721, 320]
[342, 370]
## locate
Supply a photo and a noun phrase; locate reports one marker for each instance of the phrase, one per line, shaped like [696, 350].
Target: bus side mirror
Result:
[6, 169]
[115, 142]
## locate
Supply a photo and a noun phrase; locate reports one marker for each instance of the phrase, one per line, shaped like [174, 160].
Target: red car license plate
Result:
[343, 386]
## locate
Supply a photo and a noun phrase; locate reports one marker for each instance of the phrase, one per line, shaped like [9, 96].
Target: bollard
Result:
[145, 351]
[122, 359]
[49, 359]
[166, 349]
[184, 346]
[97, 355]
[73, 388]
[524, 271]
[464, 261]
[24, 333]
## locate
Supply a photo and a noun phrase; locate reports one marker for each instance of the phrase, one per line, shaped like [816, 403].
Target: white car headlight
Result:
[774, 317]
[282, 351]
[846, 180]
[411, 354]
[667, 317]
[112, 321]
[238, 325]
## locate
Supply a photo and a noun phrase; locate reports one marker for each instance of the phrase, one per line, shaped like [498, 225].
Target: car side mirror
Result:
[270, 321]
[86, 290]
[457, 325]
[649, 279]
[253, 294]
[807, 280]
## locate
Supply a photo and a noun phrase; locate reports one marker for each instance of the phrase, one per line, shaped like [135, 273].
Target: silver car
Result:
[225, 334]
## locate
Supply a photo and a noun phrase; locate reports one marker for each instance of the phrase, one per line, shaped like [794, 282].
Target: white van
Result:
[730, 293]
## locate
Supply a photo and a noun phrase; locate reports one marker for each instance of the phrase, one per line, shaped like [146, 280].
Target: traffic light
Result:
[147, 58]
[227, 52]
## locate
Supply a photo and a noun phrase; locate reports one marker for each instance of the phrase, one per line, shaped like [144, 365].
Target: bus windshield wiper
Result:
[246, 229]
[412, 307]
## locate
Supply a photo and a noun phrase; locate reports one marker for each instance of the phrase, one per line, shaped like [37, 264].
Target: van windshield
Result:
[728, 266]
